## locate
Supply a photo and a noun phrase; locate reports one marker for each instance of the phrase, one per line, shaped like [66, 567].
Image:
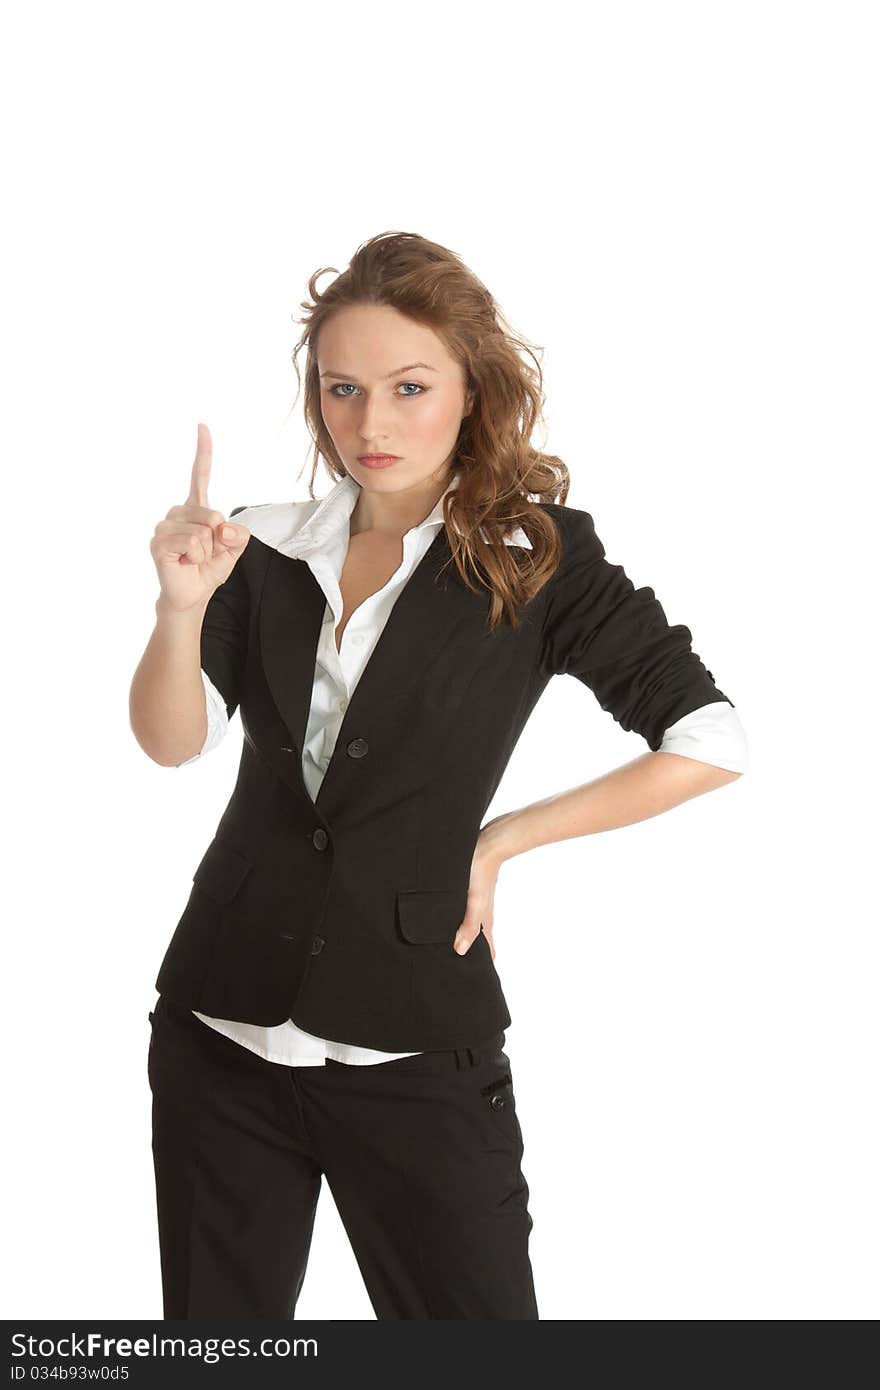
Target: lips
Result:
[377, 458]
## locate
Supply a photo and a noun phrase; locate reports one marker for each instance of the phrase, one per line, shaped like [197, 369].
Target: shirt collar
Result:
[329, 520]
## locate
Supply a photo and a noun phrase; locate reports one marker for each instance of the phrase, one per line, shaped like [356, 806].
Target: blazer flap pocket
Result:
[222, 871]
[427, 914]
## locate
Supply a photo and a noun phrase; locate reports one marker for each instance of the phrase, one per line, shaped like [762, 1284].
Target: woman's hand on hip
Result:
[479, 913]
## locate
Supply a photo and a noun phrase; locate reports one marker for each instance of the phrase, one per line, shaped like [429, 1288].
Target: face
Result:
[375, 401]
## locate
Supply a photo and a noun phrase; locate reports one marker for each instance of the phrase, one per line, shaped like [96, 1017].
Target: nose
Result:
[371, 427]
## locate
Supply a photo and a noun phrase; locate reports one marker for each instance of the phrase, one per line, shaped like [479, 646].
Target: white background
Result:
[677, 204]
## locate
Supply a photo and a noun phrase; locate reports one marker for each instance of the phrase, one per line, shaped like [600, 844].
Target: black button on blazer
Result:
[341, 913]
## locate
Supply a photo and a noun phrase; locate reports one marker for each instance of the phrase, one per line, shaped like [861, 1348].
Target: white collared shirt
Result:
[318, 533]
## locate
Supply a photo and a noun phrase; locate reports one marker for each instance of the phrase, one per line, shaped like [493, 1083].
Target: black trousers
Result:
[422, 1155]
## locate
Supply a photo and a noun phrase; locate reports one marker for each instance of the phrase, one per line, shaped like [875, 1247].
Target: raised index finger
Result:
[201, 469]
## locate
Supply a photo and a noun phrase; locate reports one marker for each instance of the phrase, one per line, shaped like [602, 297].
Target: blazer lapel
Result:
[430, 612]
[291, 612]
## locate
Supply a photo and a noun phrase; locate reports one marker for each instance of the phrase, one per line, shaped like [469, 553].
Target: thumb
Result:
[234, 537]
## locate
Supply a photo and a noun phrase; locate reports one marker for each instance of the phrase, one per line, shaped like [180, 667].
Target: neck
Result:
[394, 513]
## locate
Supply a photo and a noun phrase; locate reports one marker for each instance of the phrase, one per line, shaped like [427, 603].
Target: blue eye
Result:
[408, 396]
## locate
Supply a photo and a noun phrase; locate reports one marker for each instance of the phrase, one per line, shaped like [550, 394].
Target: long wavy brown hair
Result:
[503, 477]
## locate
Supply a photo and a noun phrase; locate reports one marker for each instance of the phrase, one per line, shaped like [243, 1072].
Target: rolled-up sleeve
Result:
[616, 639]
[218, 720]
[713, 734]
[224, 642]
[225, 629]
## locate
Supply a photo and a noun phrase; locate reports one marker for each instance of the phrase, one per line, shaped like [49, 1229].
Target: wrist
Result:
[169, 616]
[498, 839]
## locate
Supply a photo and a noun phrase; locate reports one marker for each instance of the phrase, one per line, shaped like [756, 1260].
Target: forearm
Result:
[167, 707]
[634, 792]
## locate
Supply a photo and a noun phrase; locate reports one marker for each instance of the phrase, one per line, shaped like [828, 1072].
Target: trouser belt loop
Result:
[461, 1057]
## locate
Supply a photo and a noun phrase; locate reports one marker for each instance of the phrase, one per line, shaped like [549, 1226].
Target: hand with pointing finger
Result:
[194, 548]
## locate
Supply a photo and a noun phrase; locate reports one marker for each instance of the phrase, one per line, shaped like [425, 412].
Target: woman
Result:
[329, 1004]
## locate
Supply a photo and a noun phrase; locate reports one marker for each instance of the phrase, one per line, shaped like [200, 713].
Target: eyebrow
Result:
[344, 376]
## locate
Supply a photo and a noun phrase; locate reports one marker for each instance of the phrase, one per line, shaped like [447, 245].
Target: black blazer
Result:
[340, 913]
